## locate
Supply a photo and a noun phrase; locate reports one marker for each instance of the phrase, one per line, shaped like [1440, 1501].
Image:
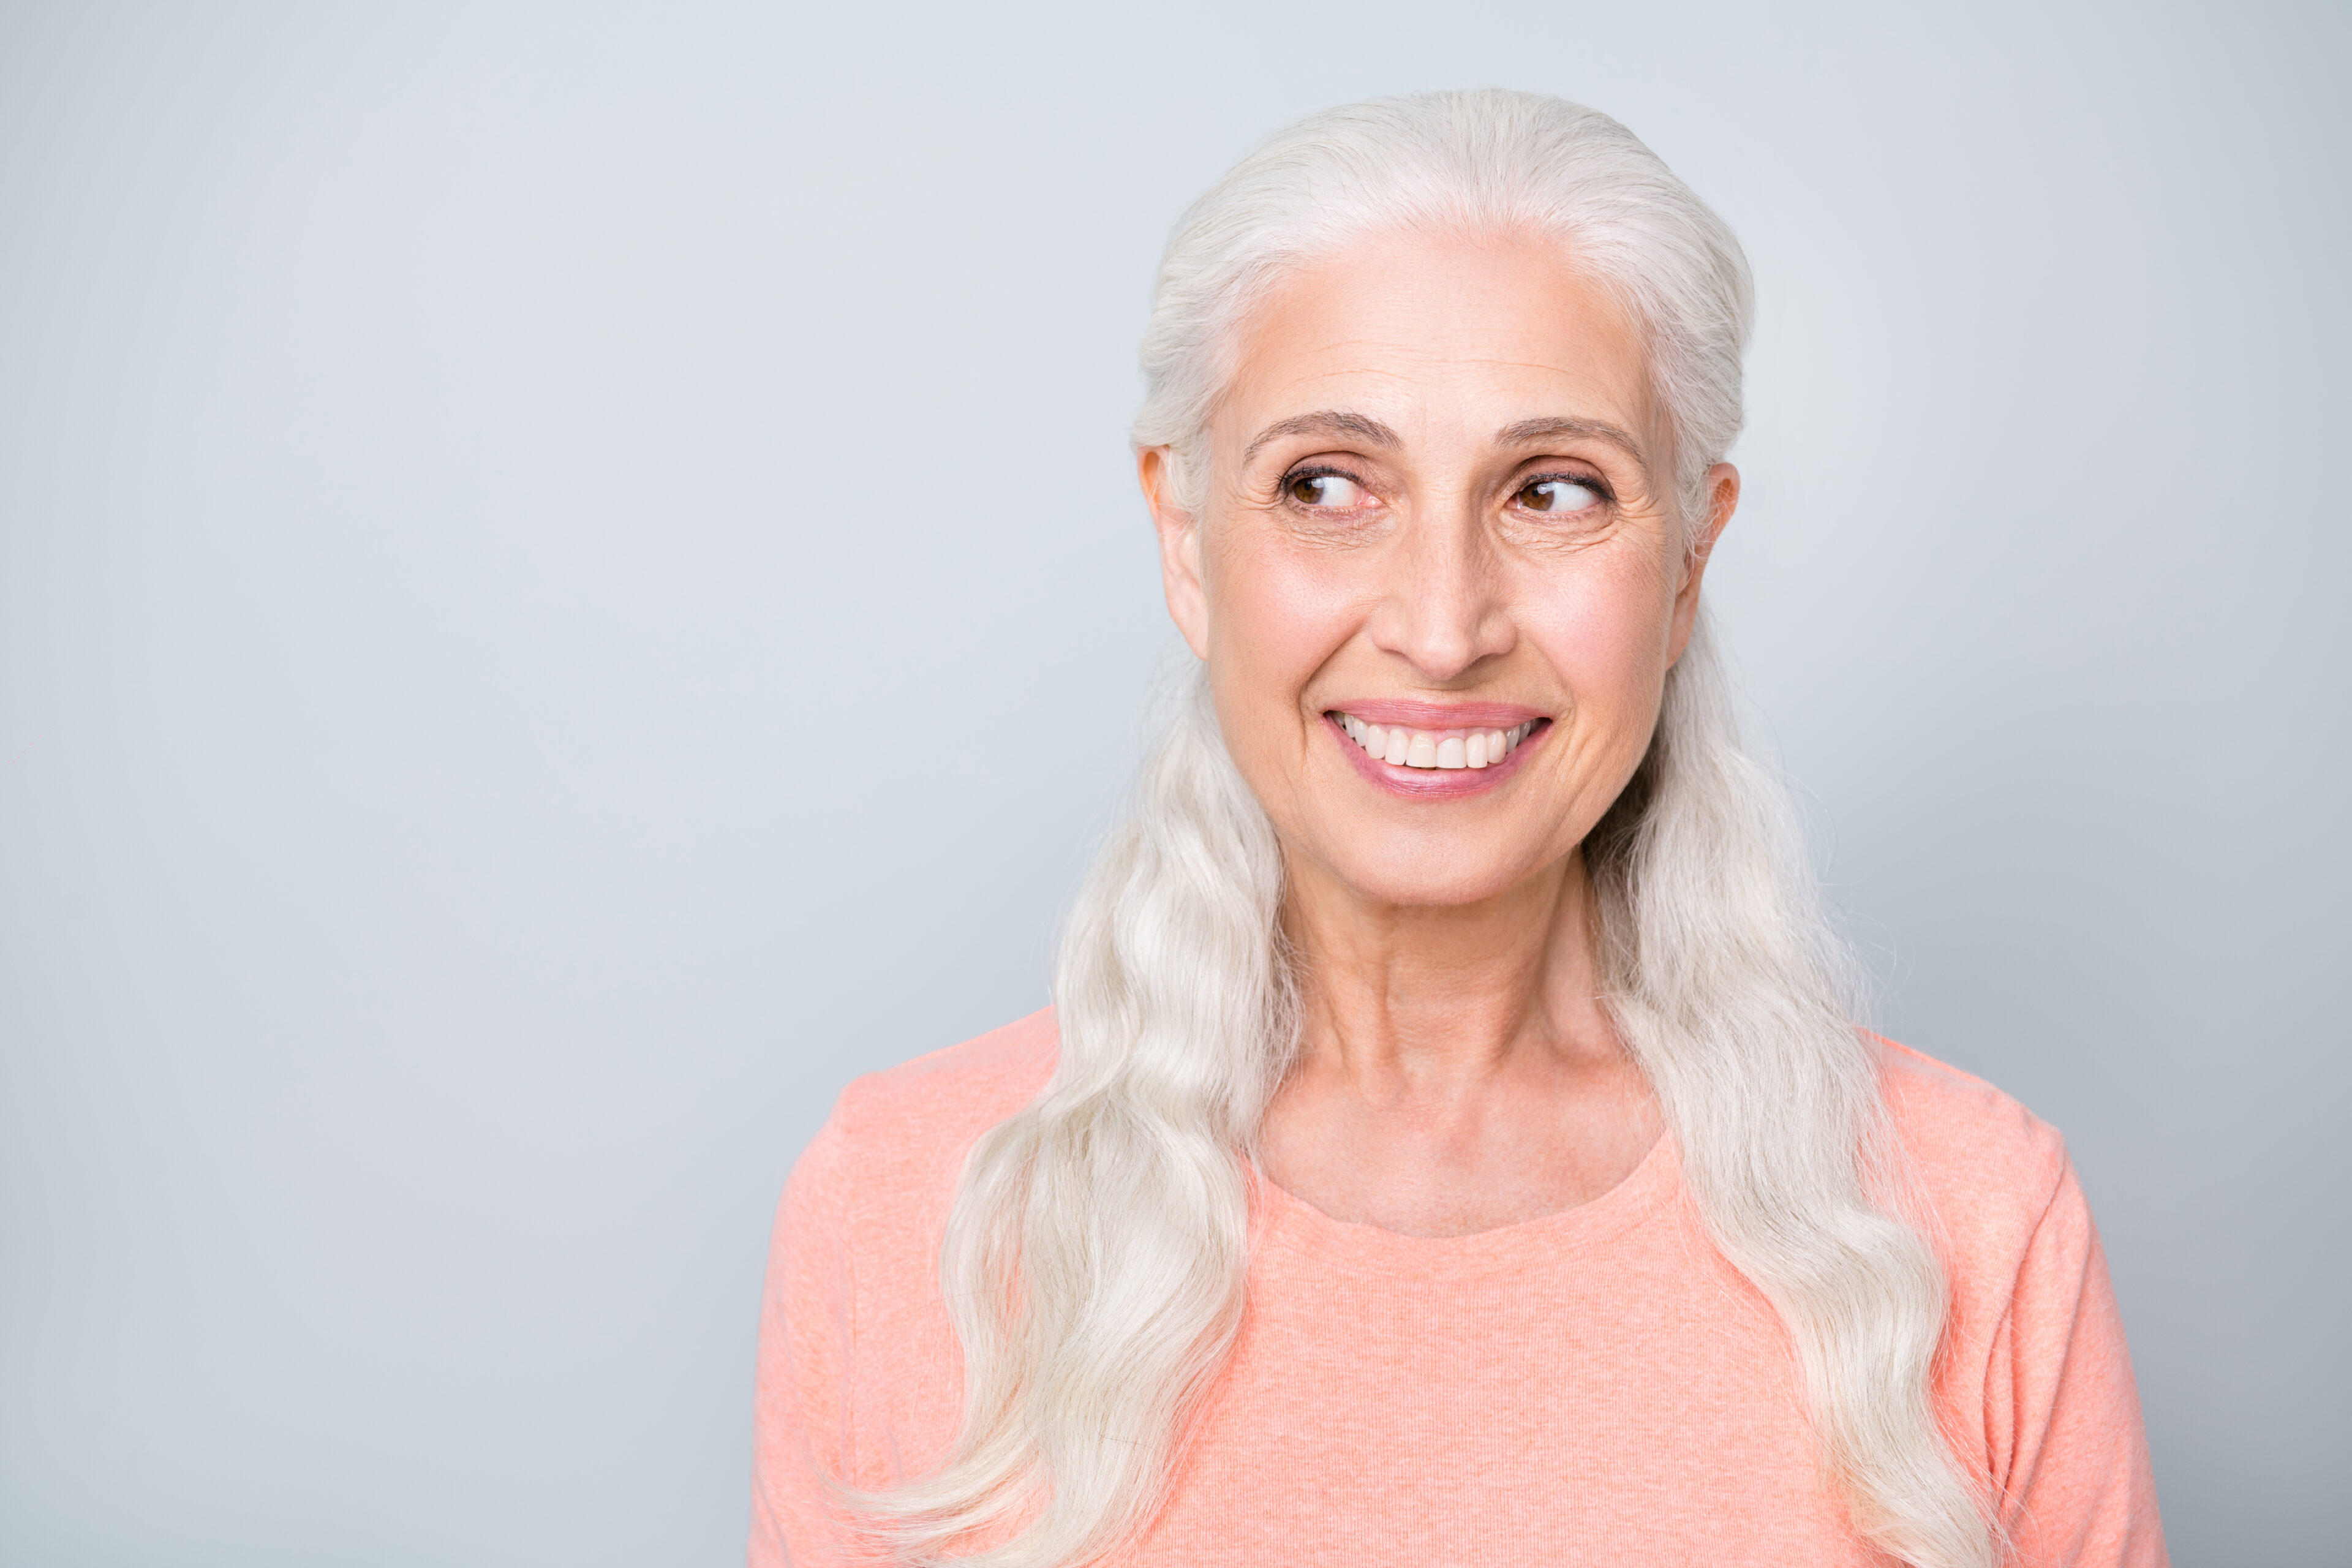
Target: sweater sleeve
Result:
[803, 1431]
[2062, 1412]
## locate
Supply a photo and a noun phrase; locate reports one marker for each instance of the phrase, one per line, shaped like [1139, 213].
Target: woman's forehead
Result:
[1427, 334]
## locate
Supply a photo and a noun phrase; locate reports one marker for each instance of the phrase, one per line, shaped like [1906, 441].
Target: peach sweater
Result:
[1597, 1386]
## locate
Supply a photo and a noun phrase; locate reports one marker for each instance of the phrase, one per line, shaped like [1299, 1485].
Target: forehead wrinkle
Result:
[1325, 422]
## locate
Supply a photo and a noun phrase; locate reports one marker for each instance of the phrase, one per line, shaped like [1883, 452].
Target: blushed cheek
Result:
[1608, 648]
[1274, 622]
[1278, 618]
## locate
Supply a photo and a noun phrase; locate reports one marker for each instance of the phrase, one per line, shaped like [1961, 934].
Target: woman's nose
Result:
[1442, 610]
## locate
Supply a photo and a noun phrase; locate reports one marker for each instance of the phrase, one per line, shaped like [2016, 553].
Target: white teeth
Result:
[1435, 748]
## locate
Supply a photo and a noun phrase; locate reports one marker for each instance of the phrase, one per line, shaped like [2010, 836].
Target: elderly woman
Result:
[1449, 1142]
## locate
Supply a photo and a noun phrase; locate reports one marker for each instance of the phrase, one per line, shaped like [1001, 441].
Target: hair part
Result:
[1095, 1261]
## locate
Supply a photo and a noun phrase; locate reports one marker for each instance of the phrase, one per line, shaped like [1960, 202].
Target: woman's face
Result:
[1439, 520]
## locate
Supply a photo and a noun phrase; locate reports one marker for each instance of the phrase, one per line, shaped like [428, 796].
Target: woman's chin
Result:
[1425, 875]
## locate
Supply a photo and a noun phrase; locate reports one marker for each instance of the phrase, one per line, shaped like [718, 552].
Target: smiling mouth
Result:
[1412, 748]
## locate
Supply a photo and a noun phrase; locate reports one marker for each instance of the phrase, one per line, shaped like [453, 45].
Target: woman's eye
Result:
[1326, 490]
[1558, 497]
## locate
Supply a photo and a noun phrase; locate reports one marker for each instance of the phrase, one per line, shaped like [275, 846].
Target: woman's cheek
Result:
[1606, 645]
[1281, 614]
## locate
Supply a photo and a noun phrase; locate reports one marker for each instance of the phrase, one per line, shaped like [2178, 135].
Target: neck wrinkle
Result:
[1428, 998]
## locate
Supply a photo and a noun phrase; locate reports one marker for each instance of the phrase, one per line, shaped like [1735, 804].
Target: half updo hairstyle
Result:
[1095, 1261]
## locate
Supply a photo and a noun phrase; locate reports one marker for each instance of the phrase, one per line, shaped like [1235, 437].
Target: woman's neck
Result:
[1434, 994]
[1457, 1069]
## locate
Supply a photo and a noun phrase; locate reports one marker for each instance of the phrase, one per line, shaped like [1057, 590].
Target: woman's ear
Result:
[1722, 500]
[1180, 548]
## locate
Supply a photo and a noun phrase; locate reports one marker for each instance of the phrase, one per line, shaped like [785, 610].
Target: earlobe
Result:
[1180, 549]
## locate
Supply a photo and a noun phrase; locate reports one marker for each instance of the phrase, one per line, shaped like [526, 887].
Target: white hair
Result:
[1095, 1261]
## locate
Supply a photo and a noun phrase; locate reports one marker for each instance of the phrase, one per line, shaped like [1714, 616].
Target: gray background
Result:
[569, 580]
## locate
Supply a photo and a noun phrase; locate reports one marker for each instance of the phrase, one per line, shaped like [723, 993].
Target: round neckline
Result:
[1289, 1222]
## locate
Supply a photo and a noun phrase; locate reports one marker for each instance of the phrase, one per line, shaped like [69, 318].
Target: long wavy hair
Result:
[1096, 1260]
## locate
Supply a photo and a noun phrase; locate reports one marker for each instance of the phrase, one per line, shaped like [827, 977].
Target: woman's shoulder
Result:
[903, 1131]
[1989, 1168]
[1956, 1122]
[972, 1085]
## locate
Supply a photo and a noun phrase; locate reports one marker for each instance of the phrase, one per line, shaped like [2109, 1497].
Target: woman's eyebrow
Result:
[1527, 432]
[1325, 422]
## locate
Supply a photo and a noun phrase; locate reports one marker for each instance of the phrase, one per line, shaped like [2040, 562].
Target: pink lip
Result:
[1438, 784]
[1438, 715]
